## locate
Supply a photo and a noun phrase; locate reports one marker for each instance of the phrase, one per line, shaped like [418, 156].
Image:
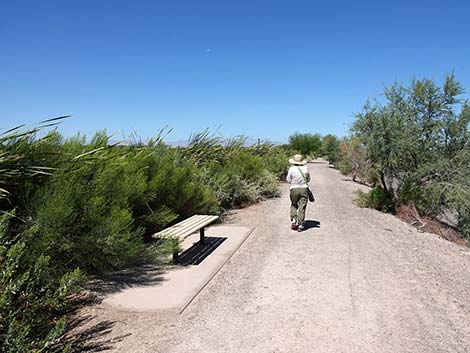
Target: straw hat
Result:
[298, 159]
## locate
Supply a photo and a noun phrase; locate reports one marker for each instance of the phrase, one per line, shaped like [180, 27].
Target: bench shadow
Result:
[308, 224]
[197, 253]
[149, 275]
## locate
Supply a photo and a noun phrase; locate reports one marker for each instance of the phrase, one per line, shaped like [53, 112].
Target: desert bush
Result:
[237, 175]
[268, 185]
[173, 189]
[376, 198]
[86, 218]
[241, 179]
[34, 291]
[417, 142]
[246, 165]
[330, 149]
[274, 158]
[74, 208]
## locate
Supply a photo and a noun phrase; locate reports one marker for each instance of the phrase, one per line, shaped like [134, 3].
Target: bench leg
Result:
[201, 236]
[175, 251]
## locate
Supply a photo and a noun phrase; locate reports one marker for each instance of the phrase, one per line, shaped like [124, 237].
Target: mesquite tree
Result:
[418, 141]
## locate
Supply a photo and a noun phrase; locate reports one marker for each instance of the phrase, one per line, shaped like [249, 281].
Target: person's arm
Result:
[289, 176]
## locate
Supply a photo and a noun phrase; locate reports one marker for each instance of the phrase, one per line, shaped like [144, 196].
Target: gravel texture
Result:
[361, 281]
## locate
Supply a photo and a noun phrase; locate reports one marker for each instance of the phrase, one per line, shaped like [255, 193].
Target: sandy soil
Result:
[358, 281]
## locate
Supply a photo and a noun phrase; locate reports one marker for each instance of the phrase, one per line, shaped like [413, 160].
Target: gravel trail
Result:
[361, 281]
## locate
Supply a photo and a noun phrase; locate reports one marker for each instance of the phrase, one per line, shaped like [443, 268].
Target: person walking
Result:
[298, 178]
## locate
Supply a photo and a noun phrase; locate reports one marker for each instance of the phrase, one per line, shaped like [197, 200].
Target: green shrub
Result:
[86, 219]
[34, 295]
[231, 190]
[90, 207]
[306, 144]
[268, 185]
[376, 198]
[345, 167]
[173, 191]
[246, 165]
[417, 143]
[330, 149]
[274, 158]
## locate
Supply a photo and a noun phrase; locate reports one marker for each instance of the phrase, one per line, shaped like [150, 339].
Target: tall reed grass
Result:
[72, 208]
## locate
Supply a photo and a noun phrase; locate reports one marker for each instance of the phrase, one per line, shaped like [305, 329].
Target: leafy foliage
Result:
[306, 144]
[76, 208]
[418, 143]
[330, 148]
[34, 295]
[376, 198]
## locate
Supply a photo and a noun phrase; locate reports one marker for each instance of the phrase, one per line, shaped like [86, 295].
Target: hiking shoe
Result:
[294, 226]
[300, 228]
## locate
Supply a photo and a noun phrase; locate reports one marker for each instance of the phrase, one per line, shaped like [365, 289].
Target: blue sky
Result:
[260, 68]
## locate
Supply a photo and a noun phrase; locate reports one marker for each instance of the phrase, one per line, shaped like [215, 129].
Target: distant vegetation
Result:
[315, 145]
[305, 143]
[72, 208]
[413, 149]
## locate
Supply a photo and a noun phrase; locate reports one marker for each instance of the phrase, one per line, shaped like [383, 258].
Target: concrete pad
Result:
[181, 284]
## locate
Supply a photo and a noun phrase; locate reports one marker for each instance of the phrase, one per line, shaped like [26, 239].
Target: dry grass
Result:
[409, 214]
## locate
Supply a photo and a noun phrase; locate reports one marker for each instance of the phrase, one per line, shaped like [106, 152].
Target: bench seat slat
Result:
[189, 229]
[194, 222]
[182, 229]
[186, 227]
[188, 223]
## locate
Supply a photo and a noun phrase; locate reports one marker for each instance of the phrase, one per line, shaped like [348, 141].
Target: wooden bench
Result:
[185, 228]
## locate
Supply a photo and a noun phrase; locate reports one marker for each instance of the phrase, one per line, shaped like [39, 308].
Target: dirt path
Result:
[362, 281]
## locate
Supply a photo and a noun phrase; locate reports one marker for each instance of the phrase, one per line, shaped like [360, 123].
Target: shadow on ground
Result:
[198, 252]
[308, 224]
[85, 336]
[83, 333]
[143, 275]
[150, 275]
[91, 339]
